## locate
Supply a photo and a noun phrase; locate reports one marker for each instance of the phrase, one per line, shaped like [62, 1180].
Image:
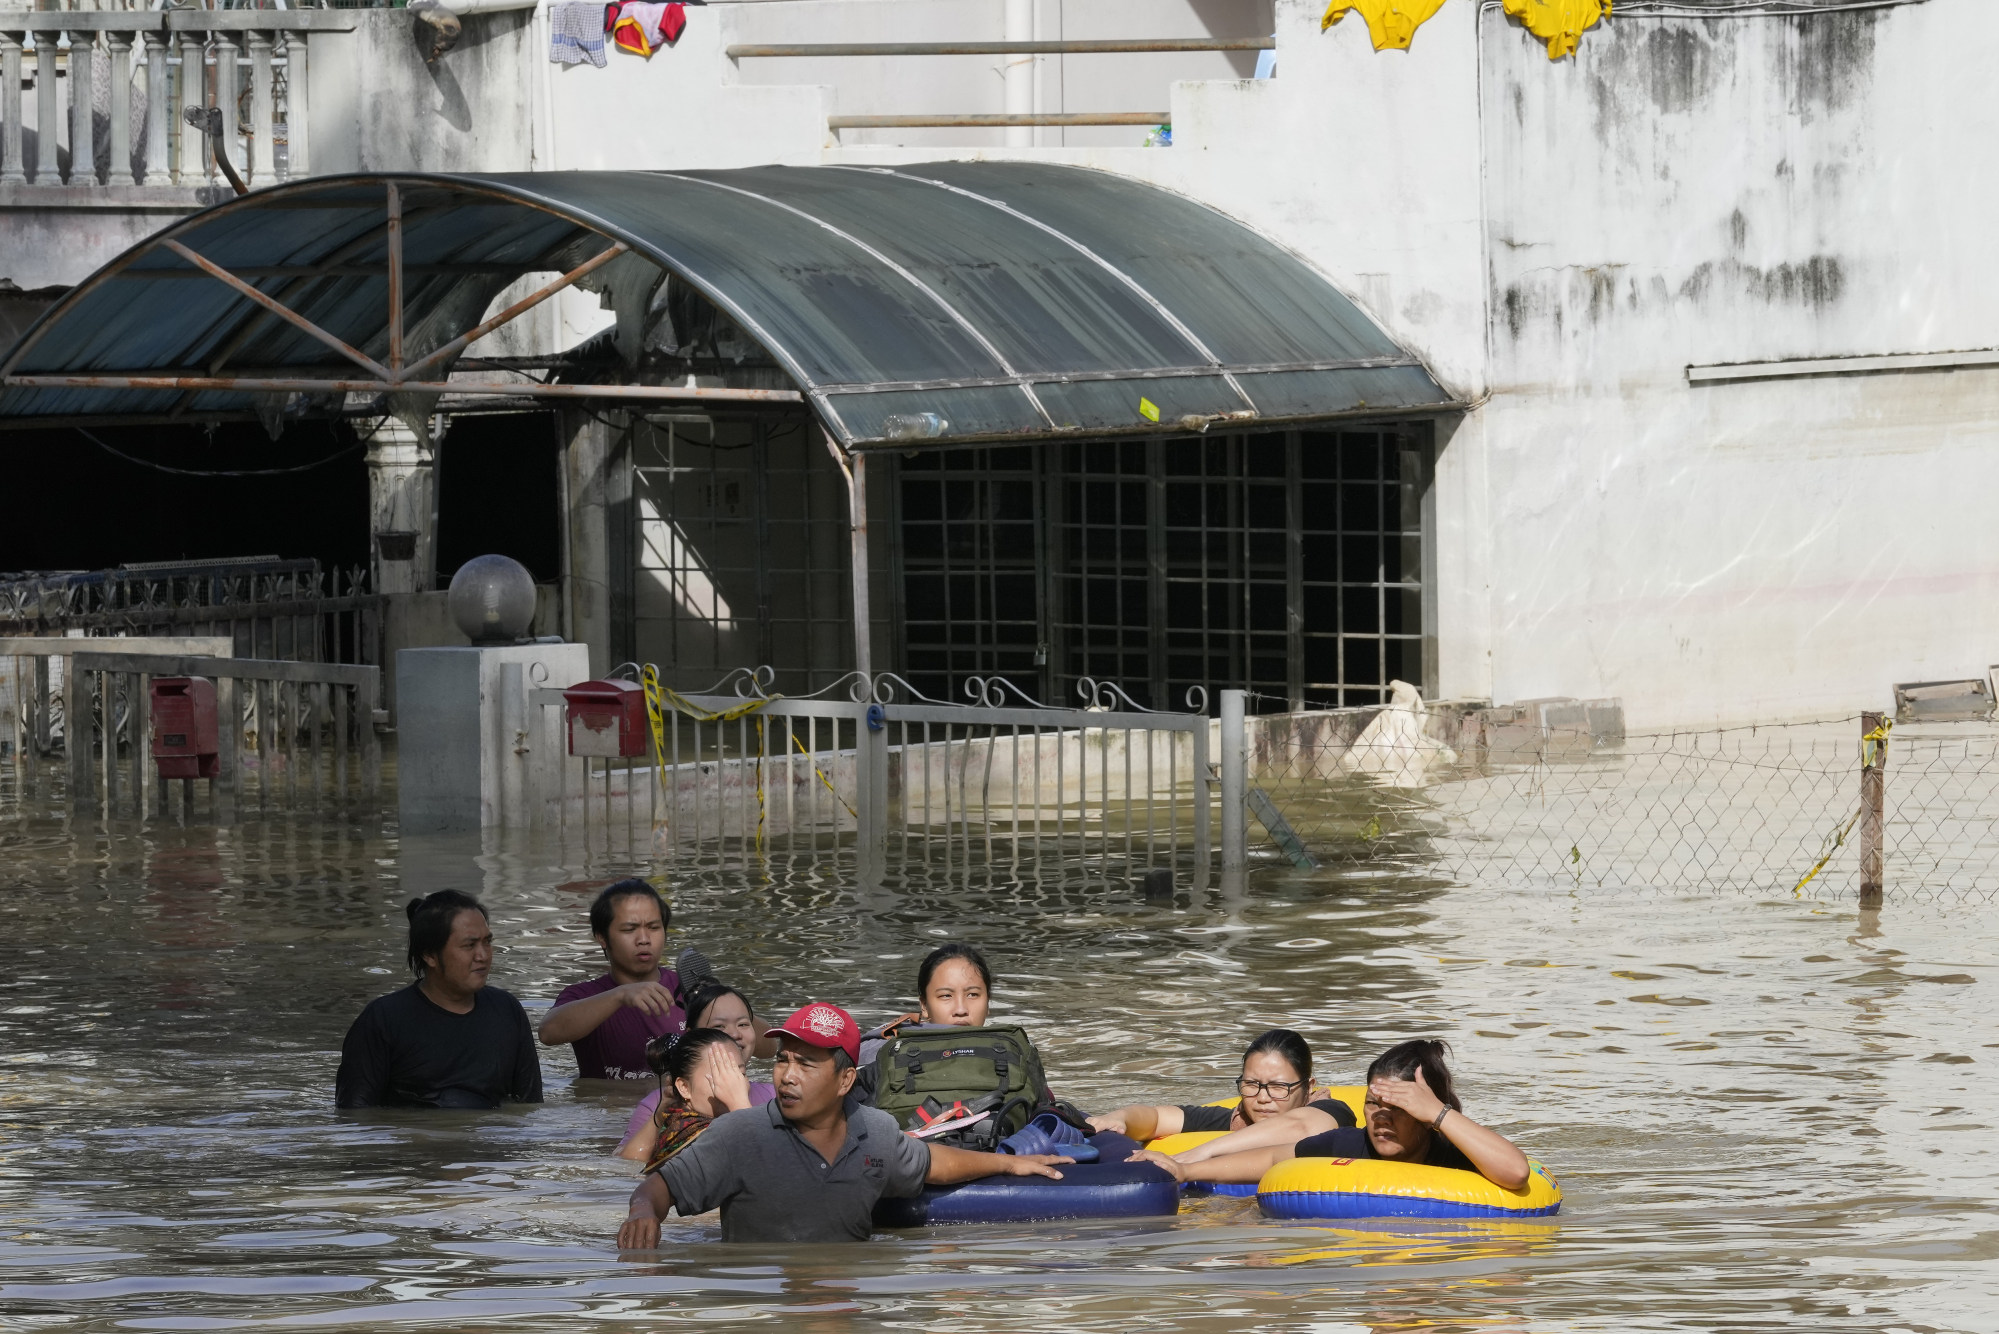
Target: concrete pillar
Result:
[400, 509]
[587, 460]
[469, 752]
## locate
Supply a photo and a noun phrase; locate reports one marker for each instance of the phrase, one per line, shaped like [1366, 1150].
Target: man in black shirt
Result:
[447, 1039]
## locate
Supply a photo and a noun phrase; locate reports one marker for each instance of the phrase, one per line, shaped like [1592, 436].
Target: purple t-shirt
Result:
[616, 1049]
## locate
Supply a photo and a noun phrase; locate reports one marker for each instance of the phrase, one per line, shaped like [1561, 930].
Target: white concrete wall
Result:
[1690, 192]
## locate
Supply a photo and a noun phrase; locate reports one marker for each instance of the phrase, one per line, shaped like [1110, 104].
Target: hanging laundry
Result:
[576, 32]
[1392, 23]
[1559, 23]
[641, 27]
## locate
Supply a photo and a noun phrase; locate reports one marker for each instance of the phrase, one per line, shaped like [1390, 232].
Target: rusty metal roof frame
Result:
[924, 306]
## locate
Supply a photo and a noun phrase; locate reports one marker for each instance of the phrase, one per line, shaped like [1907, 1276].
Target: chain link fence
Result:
[1558, 796]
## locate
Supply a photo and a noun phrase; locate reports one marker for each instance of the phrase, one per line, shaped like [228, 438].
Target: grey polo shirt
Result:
[773, 1186]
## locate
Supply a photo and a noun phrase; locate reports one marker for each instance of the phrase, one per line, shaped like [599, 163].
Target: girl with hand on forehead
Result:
[713, 1007]
[700, 1078]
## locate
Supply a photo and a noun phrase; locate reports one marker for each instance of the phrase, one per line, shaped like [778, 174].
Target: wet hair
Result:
[942, 955]
[1283, 1042]
[431, 919]
[1404, 1059]
[707, 994]
[676, 1055]
[605, 905]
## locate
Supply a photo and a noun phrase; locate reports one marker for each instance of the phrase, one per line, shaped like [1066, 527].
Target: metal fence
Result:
[266, 606]
[1765, 809]
[291, 735]
[1111, 788]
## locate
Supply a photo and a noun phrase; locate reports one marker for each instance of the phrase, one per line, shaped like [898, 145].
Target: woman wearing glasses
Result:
[1413, 1116]
[1276, 1081]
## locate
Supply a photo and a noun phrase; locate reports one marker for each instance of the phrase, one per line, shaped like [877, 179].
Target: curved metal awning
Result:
[931, 303]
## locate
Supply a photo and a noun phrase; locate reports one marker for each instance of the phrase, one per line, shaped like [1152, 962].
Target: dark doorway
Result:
[99, 497]
[499, 493]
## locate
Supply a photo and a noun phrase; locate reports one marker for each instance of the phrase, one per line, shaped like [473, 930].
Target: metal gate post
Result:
[1235, 765]
[78, 738]
[871, 797]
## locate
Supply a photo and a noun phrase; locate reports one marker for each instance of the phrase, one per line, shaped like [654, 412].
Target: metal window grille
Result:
[740, 531]
[1288, 562]
[971, 567]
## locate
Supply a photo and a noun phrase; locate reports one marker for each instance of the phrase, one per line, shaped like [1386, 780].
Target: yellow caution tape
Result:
[659, 696]
[820, 773]
[1148, 409]
[1838, 842]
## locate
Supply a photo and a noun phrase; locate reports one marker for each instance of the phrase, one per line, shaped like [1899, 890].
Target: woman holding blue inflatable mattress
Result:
[1276, 1078]
[1413, 1116]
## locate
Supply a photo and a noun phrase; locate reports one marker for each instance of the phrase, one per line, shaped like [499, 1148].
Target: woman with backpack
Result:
[991, 1082]
[954, 989]
[1276, 1078]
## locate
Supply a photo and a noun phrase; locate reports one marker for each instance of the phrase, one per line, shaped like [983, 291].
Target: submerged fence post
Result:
[1235, 765]
[1873, 784]
[224, 788]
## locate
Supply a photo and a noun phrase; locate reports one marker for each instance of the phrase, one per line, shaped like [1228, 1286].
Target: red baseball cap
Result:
[824, 1025]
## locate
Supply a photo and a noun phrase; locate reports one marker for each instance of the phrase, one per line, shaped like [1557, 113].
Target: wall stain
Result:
[1596, 293]
[1829, 58]
[1818, 281]
[1677, 67]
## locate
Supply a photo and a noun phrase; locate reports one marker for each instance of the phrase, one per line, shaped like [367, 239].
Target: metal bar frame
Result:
[1114, 46]
[633, 392]
[275, 307]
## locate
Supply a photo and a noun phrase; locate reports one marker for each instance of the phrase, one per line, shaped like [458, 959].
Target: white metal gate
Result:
[739, 773]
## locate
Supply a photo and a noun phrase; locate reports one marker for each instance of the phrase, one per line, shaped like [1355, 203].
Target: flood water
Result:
[1765, 1113]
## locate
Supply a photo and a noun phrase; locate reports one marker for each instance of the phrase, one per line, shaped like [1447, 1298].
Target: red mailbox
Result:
[185, 735]
[606, 718]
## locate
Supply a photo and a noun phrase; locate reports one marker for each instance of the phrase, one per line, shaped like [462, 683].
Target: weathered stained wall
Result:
[1696, 191]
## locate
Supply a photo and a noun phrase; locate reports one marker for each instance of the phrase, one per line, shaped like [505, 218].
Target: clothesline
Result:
[578, 29]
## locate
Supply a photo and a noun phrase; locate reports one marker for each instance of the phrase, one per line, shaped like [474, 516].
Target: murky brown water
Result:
[1765, 1114]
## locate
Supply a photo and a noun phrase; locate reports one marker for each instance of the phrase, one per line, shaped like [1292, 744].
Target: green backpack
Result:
[941, 1074]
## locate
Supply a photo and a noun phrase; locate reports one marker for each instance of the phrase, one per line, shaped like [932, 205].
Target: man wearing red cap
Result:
[806, 1167]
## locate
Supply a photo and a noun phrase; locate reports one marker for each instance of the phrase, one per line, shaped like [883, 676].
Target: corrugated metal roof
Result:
[1008, 299]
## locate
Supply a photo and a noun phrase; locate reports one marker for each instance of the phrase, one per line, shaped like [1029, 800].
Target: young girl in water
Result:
[712, 1005]
[954, 989]
[1413, 1116]
[701, 1077]
[1276, 1078]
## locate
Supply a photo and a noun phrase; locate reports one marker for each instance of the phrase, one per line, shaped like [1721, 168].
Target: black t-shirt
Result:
[1221, 1118]
[1354, 1143]
[405, 1050]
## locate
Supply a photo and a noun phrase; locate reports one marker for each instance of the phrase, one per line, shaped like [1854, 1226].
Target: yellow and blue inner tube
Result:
[1352, 1096]
[1378, 1188]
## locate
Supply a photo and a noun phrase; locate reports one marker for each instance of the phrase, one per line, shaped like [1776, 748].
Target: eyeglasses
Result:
[1256, 1088]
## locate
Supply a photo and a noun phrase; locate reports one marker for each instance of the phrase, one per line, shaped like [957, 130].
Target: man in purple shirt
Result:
[610, 1019]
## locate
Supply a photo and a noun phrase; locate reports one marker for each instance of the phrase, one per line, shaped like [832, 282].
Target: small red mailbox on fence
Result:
[185, 736]
[606, 718]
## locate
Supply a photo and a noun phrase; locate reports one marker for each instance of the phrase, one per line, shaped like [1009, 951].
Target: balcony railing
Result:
[96, 98]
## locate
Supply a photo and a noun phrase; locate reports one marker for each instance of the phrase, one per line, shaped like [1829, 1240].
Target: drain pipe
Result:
[1020, 72]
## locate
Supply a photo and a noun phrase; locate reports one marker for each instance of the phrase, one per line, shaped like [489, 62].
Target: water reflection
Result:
[1763, 1113]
